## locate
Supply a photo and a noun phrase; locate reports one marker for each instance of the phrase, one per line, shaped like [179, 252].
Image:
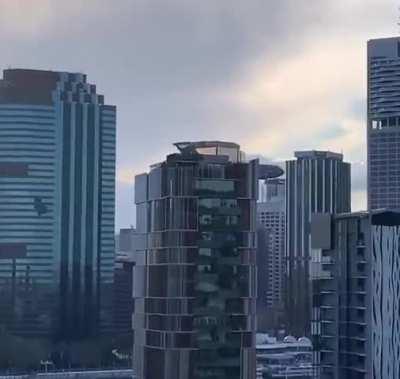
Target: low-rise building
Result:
[290, 358]
[123, 281]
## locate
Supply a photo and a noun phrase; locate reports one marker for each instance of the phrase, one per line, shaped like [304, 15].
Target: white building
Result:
[290, 358]
[271, 216]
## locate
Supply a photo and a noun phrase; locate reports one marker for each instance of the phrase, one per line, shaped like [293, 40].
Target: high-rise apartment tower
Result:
[195, 277]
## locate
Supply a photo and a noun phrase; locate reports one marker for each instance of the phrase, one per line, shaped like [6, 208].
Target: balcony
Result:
[327, 260]
[357, 322]
[356, 353]
[327, 292]
[359, 291]
[360, 244]
[326, 349]
[359, 276]
[358, 338]
[323, 275]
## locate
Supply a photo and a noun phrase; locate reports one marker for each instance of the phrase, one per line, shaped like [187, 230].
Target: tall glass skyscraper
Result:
[383, 129]
[195, 275]
[57, 173]
[316, 181]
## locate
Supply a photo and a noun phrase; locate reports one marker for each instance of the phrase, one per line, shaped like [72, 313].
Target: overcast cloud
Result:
[273, 75]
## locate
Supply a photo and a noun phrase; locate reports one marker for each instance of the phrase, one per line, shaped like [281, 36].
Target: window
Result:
[207, 269]
[205, 220]
[206, 236]
[215, 186]
[205, 252]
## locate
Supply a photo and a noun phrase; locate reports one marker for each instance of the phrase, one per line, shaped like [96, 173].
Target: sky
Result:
[274, 76]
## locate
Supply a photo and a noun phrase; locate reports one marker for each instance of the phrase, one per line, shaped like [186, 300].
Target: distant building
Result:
[195, 278]
[126, 239]
[57, 176]
[123, 281]
[357, 295]
[271, 254]
[383, 127]
[264, 314]
[287, 359]
[316, 181]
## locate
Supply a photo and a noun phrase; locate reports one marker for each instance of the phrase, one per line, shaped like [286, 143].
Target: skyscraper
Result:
[357, 331]
[195, 278]
[383, 127]
[57, 173]
[317, 181]
[271, 217]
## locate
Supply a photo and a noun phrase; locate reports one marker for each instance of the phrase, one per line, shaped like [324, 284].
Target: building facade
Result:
[126, 240]
[383, 125]
[57, 173]
[316, 181]
[123, 293]
[289, 358]
[357, 331]
[271, 251]
[195, 278]
[264, 314]
[123, 281]
[271, 216]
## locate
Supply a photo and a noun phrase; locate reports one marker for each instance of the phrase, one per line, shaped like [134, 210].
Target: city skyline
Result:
[273, 221]
[207, 67]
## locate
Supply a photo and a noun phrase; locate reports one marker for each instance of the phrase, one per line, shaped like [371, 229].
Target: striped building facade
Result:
[57, 172]
[316, 181]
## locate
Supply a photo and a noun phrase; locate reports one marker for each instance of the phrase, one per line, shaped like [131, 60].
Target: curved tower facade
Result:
[195, 275]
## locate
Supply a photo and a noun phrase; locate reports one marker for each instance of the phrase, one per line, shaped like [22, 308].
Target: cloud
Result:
[275, 76]
[21, 18]
[332, 131]
[304, 94]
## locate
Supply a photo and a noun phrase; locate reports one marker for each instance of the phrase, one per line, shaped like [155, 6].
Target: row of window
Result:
[203, 254]
[176, 323]
[212, 337]
[180, 306]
